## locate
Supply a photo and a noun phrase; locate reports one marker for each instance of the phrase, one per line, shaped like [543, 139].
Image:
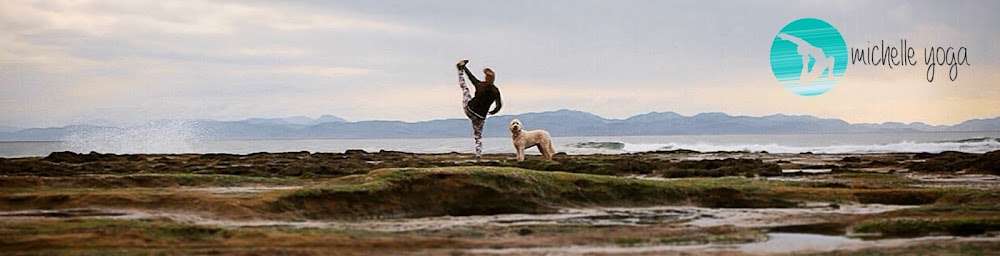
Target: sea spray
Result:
[163, 136]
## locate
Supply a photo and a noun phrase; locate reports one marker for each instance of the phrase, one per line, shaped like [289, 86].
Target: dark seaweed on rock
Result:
[719, 168]
[631, 164]
[303, 164]
[306, 164]
[951, 161]
[70, 157]
[851, 159]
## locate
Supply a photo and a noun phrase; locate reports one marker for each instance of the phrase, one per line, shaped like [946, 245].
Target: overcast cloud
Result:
[65, 62]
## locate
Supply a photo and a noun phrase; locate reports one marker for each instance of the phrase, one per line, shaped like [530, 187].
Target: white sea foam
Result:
[981, 145]
[190, 137]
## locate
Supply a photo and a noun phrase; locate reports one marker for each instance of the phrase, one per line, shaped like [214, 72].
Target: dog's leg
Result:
[552, 150]
[520, 153]
[546, 148]
[545, 152]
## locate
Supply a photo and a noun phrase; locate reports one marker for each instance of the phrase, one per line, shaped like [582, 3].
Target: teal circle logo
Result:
[808, 56]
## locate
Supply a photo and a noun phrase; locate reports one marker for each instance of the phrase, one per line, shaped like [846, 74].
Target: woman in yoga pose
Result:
[478, 106]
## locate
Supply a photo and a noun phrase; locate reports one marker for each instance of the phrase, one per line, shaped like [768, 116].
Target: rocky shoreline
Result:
[356, 202]
[668, 164]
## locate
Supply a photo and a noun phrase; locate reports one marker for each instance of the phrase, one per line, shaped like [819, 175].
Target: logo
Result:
[808, 56]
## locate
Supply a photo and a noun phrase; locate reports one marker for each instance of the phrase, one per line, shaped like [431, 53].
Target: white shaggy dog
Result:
[527, 139]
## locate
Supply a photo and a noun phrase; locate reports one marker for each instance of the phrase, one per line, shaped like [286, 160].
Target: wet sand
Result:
[673, 202]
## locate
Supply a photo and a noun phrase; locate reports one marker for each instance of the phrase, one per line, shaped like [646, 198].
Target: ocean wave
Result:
[973, 145]
[972, 140]
[600, 145]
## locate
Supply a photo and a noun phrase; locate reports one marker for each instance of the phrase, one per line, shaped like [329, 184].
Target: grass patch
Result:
[868, 180]
[915, 227]
[629, 241]
[474, 190]
[413, 192]
[154, 180]
[716, 235]
[93, 230]
[145, 237]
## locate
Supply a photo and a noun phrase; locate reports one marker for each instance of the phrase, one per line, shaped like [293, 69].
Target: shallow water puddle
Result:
[782, 241]
[772, 217]
[793, 242]
[239, 190]
[696, 216]
[807, 171]
[67, 213]
[797, 242]
[972, 181]
[775, 244]
[591, 217]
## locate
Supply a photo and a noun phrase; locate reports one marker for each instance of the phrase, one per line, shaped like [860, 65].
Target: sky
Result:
[72, 62]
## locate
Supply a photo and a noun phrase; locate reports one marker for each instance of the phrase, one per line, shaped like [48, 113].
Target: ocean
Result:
[972, 142]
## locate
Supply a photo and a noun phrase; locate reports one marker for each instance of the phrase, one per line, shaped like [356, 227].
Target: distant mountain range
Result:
[558, 123]
[296, 120]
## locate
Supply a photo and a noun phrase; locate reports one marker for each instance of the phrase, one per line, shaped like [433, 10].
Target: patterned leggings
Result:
[477, 121]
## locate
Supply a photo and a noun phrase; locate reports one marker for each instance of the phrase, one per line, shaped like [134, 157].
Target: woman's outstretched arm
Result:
[499, 101]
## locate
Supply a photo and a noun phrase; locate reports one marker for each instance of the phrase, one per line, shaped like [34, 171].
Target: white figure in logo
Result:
[822, 61]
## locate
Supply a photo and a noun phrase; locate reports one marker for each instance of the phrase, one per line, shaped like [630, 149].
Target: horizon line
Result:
[19, 128]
